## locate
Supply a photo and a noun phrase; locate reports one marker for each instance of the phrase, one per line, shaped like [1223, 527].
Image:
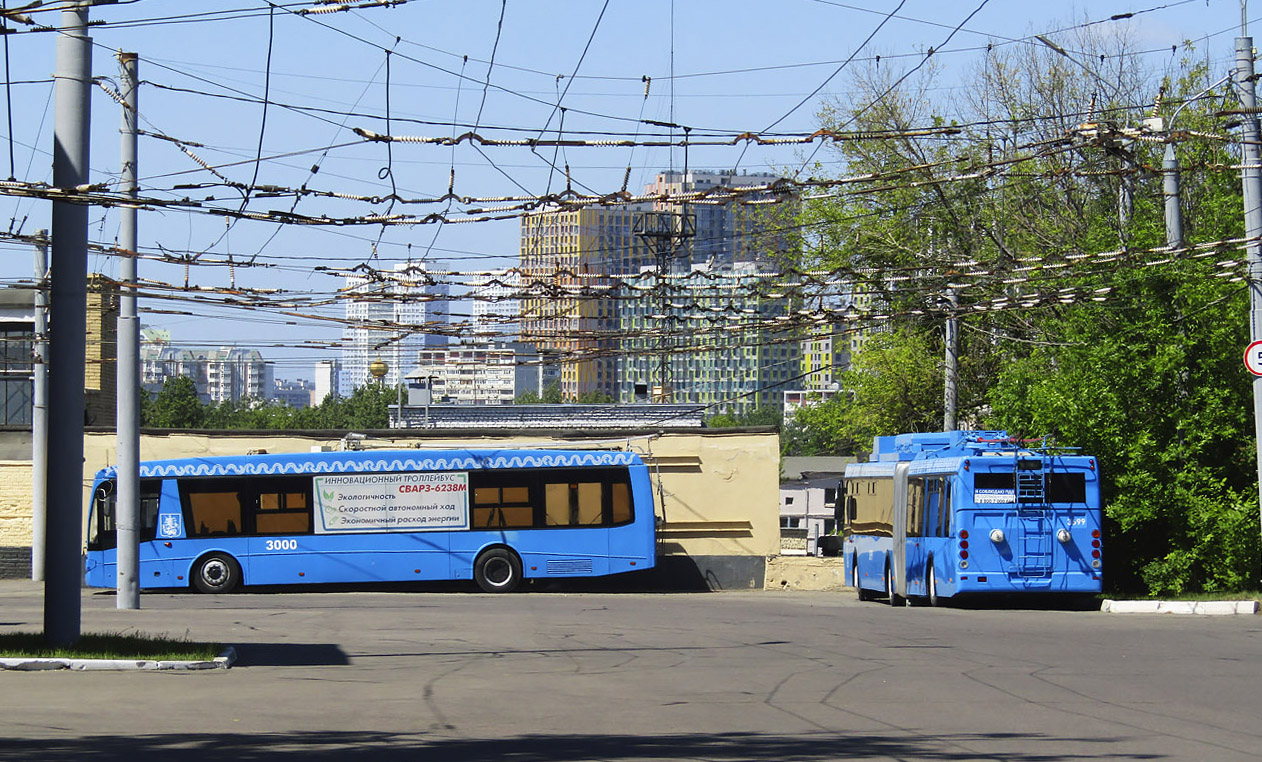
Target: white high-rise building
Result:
[391, 316]
[496, 308]
[327, 375]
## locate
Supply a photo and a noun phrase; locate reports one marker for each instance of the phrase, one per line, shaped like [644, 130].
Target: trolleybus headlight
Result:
[996, 536]
[1062, 534]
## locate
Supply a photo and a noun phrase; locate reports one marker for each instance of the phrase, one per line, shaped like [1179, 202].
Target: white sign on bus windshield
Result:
[990, 495]
[415, 502]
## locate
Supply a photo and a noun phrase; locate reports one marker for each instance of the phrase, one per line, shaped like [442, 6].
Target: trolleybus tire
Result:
[498, 570]
[931, 586]
[894, 598]
[216, 573]
[864, 595]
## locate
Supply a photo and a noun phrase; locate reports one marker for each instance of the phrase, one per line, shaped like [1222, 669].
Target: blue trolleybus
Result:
[494, 516]
[938, 515]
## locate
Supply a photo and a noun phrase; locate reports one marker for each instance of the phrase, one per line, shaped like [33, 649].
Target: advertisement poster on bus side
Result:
[416, 502]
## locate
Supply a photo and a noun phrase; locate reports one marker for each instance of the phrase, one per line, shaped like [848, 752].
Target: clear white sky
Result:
[737, 65]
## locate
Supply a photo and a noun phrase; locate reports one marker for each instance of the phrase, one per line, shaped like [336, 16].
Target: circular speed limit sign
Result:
[1253, 358]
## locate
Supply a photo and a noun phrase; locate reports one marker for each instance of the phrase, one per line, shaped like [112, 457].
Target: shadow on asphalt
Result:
[723, 747]
[1038, 602]
[290, 655]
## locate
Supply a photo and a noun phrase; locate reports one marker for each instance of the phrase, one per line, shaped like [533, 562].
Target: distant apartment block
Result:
[575, 253]
[724, 348]
[391, 316]
[477, 373]
[221, 375]
[496, 308]
[327, 373]
[583, 253]
[726, 233]
[293, 393]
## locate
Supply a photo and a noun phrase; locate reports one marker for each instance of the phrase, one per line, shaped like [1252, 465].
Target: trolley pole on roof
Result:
[127, 585]
[68, 323]
[1252, 187]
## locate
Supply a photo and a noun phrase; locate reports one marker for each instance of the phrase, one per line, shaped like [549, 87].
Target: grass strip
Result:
[109, 646]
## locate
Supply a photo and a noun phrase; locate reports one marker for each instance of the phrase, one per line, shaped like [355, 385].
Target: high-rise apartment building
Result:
[221, 375]
[575, 253]
[496, 307]
[391, 316]
[724, 347]
[610, 340]
[725, 233]
[327, 373]
[236, 374]
[481, 373]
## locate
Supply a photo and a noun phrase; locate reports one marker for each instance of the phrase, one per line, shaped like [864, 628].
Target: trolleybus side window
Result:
[915, 507]
[283, 506]
[504, 505]
[212, 506]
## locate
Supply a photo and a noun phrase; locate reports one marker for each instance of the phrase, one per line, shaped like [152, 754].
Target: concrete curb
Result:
[222, 661]
[1201, 608]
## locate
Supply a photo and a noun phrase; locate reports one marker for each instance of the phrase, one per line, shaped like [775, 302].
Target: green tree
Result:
[894, 385]
[759, 416]
[177, 406]
[551, 395]
[1154, 388]
[1134, 361]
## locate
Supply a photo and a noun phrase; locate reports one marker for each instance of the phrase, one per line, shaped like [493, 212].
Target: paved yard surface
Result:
[784, 676]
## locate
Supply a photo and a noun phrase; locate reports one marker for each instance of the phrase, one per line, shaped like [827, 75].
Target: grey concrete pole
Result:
[1252, 187]
[39, 412]
[128, 495]
[951, 364]
[68, 323]
[1170, 190]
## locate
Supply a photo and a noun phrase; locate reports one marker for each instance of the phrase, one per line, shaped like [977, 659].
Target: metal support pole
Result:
[951, 369]
[39, 412]
[1170, 190]
[1252, 186]
[68, 324]
[128, 495]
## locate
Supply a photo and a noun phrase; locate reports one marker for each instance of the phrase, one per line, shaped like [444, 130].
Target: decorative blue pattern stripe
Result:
[380, 461]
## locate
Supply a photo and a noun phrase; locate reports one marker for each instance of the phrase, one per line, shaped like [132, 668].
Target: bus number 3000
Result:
[281, 545]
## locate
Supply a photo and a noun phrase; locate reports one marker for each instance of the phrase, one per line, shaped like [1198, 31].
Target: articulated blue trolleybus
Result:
[497, 517]
[939, 515]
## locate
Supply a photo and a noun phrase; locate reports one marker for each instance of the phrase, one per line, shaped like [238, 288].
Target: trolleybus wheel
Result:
[217, 573]
[864, 595]
[931, 582]
[894, 598]
[497, 571]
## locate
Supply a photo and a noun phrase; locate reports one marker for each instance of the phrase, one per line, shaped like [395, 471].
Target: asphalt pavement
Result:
[395, 674]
